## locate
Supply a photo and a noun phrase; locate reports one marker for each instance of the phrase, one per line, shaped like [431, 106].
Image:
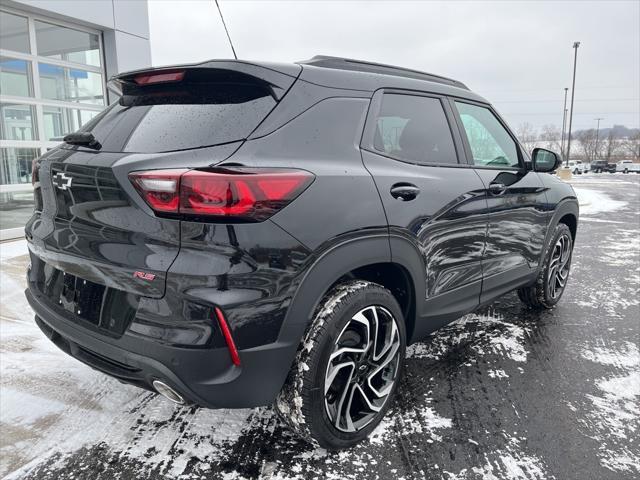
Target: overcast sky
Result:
[517, 54]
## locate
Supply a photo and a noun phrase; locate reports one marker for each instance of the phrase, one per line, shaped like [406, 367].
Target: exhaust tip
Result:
[167, 392]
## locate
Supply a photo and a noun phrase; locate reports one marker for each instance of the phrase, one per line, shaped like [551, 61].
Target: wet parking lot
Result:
[504, 393]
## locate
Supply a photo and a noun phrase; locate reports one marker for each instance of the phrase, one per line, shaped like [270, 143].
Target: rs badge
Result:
[144, 276]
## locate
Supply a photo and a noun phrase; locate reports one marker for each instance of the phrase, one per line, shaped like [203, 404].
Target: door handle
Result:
[404, 191]
[497, 188]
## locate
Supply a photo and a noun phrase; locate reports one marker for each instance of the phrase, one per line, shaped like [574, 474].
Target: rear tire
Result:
[324, 399]
[550, 284]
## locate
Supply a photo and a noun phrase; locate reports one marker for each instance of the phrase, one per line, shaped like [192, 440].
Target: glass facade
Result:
[18, 121]
[14, 33]
[52, 81]
[67, 44]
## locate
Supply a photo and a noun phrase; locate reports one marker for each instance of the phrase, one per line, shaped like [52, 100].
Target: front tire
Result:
[548, 288]
[348, 367]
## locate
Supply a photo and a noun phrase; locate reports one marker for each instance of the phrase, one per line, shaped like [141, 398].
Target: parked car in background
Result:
[600, 166]
[626, 166]
[235, 234]
[577, 167]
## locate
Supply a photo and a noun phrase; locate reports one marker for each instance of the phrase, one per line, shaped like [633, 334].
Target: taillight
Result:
[35, 171]
[242, 194]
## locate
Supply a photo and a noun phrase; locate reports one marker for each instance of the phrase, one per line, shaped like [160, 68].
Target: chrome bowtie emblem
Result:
[61, 181]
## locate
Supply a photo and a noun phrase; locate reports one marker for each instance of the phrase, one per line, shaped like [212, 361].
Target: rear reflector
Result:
[240, 194]
[224, 327]
[159, 76]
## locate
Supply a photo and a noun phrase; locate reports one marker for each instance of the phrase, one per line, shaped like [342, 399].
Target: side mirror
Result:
[545, 160]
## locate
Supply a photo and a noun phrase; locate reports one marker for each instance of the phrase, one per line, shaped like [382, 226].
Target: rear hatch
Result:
[90, 223]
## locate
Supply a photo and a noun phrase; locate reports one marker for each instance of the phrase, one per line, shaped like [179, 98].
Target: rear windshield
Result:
[182, 116]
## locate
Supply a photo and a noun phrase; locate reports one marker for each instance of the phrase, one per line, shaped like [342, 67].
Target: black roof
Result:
[371, 67]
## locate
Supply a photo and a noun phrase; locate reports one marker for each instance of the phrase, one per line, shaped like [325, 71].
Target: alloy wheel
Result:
[362, 369]
[559, 266]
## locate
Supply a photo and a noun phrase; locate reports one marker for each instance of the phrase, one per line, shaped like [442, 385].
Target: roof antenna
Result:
[226, 30]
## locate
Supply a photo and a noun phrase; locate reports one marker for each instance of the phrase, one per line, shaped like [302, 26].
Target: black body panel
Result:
[451, 242]
[518, 219]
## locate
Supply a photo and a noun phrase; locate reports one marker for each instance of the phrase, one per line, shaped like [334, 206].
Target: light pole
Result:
[573, 91]
[595, 154]
[564, 123]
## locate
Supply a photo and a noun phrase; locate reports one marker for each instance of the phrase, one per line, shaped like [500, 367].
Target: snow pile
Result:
[595, 201]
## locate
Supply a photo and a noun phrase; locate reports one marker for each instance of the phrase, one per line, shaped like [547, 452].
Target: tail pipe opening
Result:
[167, 392]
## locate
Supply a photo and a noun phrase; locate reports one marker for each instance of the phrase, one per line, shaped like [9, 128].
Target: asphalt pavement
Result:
[504, 393]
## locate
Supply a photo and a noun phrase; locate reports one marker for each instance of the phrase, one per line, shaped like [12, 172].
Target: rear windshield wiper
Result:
[85, 139]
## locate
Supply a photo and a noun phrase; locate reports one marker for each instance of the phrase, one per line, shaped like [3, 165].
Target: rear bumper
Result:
[205, 377]
[176, 338]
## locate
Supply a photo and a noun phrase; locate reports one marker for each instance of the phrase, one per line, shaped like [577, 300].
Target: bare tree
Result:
[527, 135]
[586, 140]
[551, 135]
[631, 145]
[610, 145]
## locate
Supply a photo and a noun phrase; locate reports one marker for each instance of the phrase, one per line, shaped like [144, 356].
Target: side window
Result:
[491, 145]
[414, 129]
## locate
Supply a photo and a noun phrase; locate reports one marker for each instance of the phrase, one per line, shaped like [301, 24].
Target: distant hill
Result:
[619, 131]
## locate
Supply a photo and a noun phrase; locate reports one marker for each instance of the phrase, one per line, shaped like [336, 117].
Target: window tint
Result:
[182, 117]
[415, 129]
[491, 145]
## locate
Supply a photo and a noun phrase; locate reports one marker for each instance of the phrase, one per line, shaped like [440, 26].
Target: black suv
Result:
[599, 166]
[234, 234]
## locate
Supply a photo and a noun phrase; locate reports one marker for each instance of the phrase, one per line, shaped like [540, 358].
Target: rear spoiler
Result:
[277, 77]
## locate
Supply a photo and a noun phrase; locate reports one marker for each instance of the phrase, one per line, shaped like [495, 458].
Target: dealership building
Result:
[55, 59]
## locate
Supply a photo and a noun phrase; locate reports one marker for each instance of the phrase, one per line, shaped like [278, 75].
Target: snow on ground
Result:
[596, 201]
[10, 250]
[509, 463]
[613, 413]
[424, 420]
[485, 333]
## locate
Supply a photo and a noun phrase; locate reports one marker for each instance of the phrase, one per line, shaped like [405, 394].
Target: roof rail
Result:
[371, 67]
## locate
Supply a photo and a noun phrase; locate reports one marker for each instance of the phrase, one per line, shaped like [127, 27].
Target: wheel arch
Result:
[364, 258]
[571, 221]
[567, 212]
[367, 258]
